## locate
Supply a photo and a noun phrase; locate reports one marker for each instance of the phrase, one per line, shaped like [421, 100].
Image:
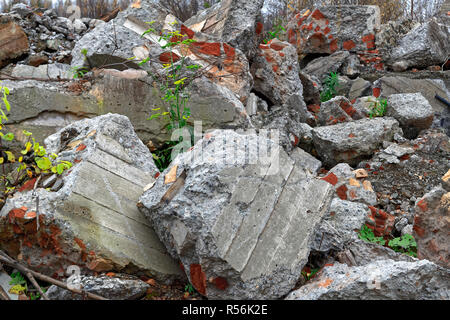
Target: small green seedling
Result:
[189, 288]
[405, 244]
[367, 234]
[277, 30]
[377, 107]
[330, 87]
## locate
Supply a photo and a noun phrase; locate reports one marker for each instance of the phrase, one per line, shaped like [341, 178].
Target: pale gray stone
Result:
[351, 141]
[412, 111]
[339, 224]
[379, 280]
[113, 288]
[247, 224]
[95, 210]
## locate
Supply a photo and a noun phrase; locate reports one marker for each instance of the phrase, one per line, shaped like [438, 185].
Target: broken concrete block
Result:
[13, 41]
[237, 22]
[323, 66]
[412, 111]
[92, 221]
[241, 224]
[53, 71]
[349, 186]
[331, 28]
[337, 110]
[222, 63]
[425, 45]
[379, 280]
[339, 225]
[276, 71]
[359, 253]
[350, 142]
[431, 225]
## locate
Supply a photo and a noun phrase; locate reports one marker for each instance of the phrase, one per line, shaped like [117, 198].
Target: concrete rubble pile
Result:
[336, 129]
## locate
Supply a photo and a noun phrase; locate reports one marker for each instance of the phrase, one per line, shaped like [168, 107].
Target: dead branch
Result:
[4, 258]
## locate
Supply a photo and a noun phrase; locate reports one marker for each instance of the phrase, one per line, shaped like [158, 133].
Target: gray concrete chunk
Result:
[241, 229]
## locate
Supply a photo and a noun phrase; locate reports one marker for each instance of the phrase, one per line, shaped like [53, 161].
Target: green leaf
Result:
[43, 163]
[8, 137]
[60, 168]
[11, 157]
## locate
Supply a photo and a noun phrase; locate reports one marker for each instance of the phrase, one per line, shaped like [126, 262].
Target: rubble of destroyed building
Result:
[231, 229]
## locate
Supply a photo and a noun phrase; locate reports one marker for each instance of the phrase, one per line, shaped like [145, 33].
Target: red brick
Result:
[186, 31]
[167, 57]
[198, 278]
[230, 52]
[342, 192]
[318, 15]
[259, 28]
[221, 283]
[348, 45]
[331, 179]
[209, 48]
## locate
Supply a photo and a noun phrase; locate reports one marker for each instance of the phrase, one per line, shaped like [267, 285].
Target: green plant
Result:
[276, 31]
[405, 244]
[189, 288]
[79, 71]
[377, 107]
[173, 84]
[367, 234]
[33, 160]
[163, 156]
[329, 87]
[309, 275]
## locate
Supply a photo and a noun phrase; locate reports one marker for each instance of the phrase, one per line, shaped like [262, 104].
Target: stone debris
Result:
[431, 225]
[379, 280]
[119, 287]
[92, 221]
[337, 110]
[360, 253]
[412, 111]
[237, 22]
[339, 225]
[13, 41]
[351, 141]
[349, 186]
[276, 71]
[235, 244]
[222, 63]
[323, 30]
[280, 184]
[425, 45]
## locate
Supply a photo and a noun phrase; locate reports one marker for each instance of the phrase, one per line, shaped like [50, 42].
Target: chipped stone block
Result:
[380, 280]
[412, 111]
[276, 71]
[237, 22]
[119, 287]
[339, 225]
[242, 231]
[13, 41]
[337, 110]
[331, 28]
[92, 221]
[431, 225]
[350, 142]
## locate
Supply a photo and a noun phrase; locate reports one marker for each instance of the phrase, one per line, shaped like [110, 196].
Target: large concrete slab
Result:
[242, 229]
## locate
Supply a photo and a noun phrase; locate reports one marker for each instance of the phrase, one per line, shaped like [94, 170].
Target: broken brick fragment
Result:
[198, 278]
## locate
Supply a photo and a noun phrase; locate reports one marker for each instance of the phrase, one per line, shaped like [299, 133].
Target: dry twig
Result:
[4, 258]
